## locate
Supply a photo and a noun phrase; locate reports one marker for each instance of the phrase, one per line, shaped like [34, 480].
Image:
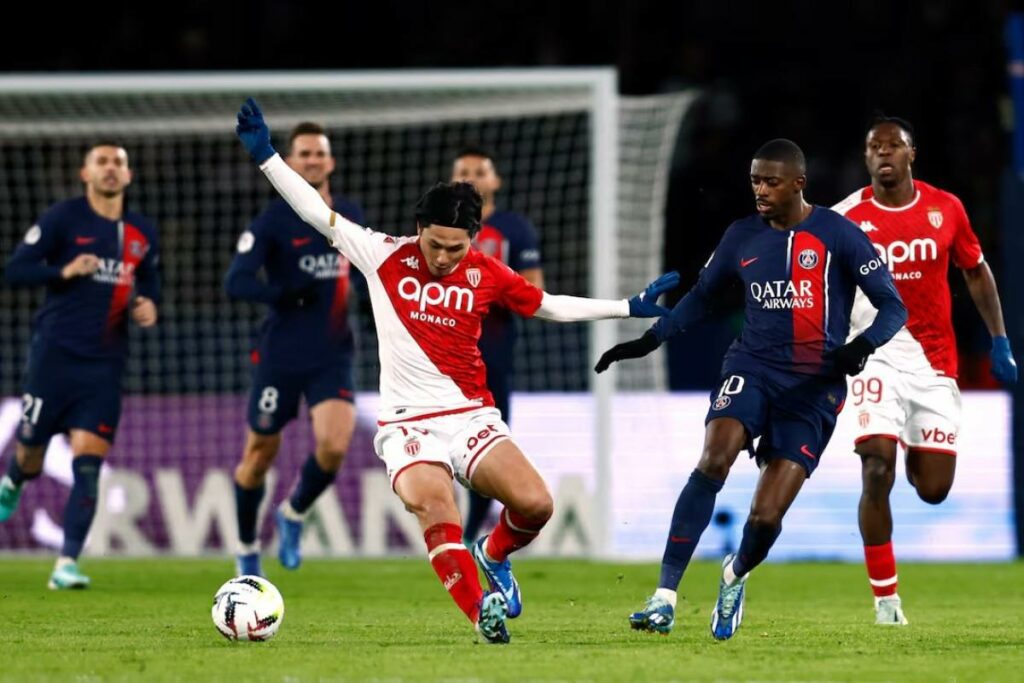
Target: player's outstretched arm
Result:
[350, 239]
[563, 308]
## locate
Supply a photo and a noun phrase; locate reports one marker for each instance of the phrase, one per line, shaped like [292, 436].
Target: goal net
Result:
[587, 167]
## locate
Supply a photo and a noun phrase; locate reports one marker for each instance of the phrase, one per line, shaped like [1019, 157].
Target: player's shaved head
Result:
[783, 151]
[455, 205]
[902, 124]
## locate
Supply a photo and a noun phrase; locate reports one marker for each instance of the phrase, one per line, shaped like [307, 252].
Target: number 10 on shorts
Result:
[730, 387]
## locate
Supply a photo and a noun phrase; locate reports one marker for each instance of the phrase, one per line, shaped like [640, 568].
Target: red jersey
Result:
[917, 242]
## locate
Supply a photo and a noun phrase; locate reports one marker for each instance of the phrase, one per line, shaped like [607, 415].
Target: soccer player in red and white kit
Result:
[907, 393]
[437, 419]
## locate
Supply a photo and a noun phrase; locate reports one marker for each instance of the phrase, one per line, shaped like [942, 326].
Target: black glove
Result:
[638, 348]
[299, 297]
[850, 358]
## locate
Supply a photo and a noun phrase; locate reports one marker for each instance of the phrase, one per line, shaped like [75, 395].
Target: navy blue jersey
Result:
[306, 286]
[799, 287]
[87, 316]
[512, 239]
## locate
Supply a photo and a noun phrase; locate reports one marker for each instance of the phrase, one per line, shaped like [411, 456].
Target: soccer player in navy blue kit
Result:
[304, 349]
[783, 379]
[99, 265]
[511, 238]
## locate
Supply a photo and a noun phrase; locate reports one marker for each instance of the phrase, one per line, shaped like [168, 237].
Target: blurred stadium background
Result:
[626, 170]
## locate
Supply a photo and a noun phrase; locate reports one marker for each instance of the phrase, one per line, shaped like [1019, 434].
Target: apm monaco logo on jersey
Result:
[435, 294]
[898, 252]
[325, 266]
[783, 294]
[114, 272]
[807, 259]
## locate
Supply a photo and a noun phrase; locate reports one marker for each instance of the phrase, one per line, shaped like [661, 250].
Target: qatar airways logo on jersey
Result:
[898, 252]
[114, 272]
[782, 294]
[435, 294]
[325, 266]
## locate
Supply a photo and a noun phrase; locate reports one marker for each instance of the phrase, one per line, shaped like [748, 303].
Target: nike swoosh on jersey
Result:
[301, 241]
[746, 262]
[84, 240]
[806, 451]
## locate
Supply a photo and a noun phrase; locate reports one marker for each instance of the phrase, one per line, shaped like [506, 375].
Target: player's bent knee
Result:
[329, 456]
[932, 493]
[765, 518]
[878, 476]
[537, 508]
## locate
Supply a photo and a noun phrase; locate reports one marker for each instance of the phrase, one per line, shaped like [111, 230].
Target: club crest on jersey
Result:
[808, 259]
[473, 276]
[721, 403]
[412, 447]
[863, 419]
[935, 218]
[136, 248]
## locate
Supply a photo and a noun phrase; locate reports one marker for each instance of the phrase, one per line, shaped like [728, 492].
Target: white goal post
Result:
[588, 166]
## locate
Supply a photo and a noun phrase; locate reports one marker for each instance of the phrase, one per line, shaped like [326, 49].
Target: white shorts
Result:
[459, 442]
[917, 410]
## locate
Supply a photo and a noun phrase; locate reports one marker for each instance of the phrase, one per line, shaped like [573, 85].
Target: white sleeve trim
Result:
[565, 309]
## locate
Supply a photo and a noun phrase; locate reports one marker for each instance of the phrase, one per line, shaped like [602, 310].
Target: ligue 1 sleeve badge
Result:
[721, 403]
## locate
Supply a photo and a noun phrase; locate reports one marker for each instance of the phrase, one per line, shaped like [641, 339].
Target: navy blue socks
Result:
[312, 482]
[689, 519]
[81, 507]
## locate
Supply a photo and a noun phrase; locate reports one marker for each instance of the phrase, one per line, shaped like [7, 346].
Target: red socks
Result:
[510, 534]
[881, 564]
[454, 566]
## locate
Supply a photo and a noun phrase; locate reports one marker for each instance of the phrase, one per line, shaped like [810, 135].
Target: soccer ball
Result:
[248, 608]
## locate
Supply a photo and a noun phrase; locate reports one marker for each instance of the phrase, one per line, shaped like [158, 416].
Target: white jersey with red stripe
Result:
[917, 242]
[428, 326]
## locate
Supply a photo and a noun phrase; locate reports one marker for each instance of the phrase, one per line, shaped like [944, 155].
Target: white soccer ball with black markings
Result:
[248, 608]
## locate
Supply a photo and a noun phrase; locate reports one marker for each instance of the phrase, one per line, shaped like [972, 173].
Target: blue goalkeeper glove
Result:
[645, 304]
[1004, 367]
[252, 130]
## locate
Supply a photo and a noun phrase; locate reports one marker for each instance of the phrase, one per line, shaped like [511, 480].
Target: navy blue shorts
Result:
[275, 395]
[793, 414]
[64, 392]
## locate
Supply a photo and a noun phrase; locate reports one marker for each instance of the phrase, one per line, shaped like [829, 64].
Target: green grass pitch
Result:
[390, 620]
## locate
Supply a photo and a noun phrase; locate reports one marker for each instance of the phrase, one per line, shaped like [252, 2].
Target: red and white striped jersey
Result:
[428, 326]
[917, 242]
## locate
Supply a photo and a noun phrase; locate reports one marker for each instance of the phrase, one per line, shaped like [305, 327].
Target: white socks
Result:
[666, 594]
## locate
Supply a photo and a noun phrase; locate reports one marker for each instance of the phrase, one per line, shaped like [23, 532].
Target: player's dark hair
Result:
[305, 128]
[782, 150]
[907, 126]
[103, 142]
[455, 205]
[473, 151]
